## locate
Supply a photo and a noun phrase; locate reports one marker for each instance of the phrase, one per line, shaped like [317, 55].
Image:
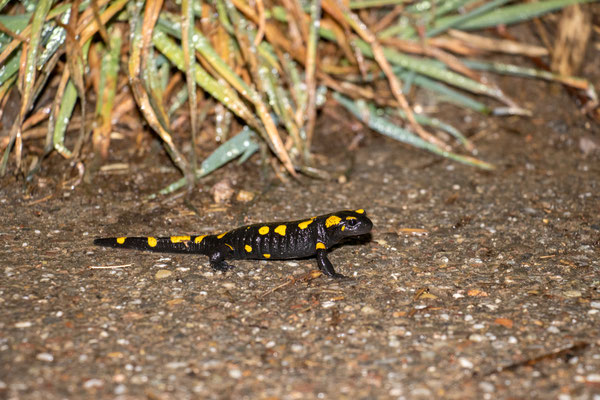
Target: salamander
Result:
[266, 241]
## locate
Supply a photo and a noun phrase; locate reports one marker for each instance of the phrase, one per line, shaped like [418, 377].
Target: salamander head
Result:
[348, 223]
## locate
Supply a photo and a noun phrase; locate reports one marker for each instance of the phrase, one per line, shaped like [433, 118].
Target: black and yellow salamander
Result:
[267, 241]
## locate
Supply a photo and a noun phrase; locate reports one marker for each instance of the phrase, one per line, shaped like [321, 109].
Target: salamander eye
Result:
[352, 222]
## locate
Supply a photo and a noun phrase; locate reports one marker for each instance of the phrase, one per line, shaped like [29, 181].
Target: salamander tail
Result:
[170, 244]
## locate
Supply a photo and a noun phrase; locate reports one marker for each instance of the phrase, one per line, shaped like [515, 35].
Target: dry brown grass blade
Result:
[88, 26]
[105, 106]
[336, 69]
[101, 27]
[250, 56]
[75, 65]
[39, 132]
[260, 8]
[274, 35]
[340, 36]
[220, 41]
[573, 34]
[388, 19]
[187, 31]
[16, 36]
[365, 34]
[498, 45]
[137, 64]
[310, 73]
[452, 62]
[409, 46]
[298, 23]
[26, 82]
[349, 89]
[36, 117]
[10, 47]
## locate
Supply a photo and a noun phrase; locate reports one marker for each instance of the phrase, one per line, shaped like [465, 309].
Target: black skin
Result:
[282, 240]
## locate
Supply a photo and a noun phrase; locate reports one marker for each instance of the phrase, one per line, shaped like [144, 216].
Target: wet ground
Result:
[473, 284]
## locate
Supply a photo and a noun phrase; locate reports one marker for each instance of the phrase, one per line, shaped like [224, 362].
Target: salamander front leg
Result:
[325, 265]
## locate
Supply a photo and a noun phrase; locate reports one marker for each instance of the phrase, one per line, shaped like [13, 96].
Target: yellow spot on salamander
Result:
[152, 241]
[350, 218]
[320, 245]
[343, 228]
[266, 255]
[228, 245]
[263, 230]
[121, 240]
[199, 239]
[305, 224]
[221, 235]
[281, 230]
[179, 239]
[331, 221]
[248, 248]
[360, 211]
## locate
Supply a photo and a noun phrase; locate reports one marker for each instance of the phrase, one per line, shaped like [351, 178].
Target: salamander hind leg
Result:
[217, 259]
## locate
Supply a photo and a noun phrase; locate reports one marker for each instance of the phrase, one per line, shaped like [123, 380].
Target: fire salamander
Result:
[267, 241]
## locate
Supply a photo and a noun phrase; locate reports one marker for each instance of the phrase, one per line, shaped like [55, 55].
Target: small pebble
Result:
[222, 191]
[244, 196]
[120, 389]
[297, 348]
[163, 273]
[235, 373]
[475, 337]
[176, 364]
[465, 363]
[93, 383]
[368, 310]
[421, 392]
[487, 387]
[45, 357]
[553, 329]
[593, 378]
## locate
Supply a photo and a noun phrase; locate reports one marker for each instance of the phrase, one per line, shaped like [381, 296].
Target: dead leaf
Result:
[476, 293]
[506, 322]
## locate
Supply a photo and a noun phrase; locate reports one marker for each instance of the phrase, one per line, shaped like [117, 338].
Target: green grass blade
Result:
[63, 118]
[11, 67]
[187, 33]
[444, 92]
[385, 127]
[359, 4]
[433, 70]
[242, 145]
[432, 122]
[203, 46]
[109, 70]
[516, 13]
[443, 25]
[14, 23]
[27, 79]
[222, 93]
[427, 11]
